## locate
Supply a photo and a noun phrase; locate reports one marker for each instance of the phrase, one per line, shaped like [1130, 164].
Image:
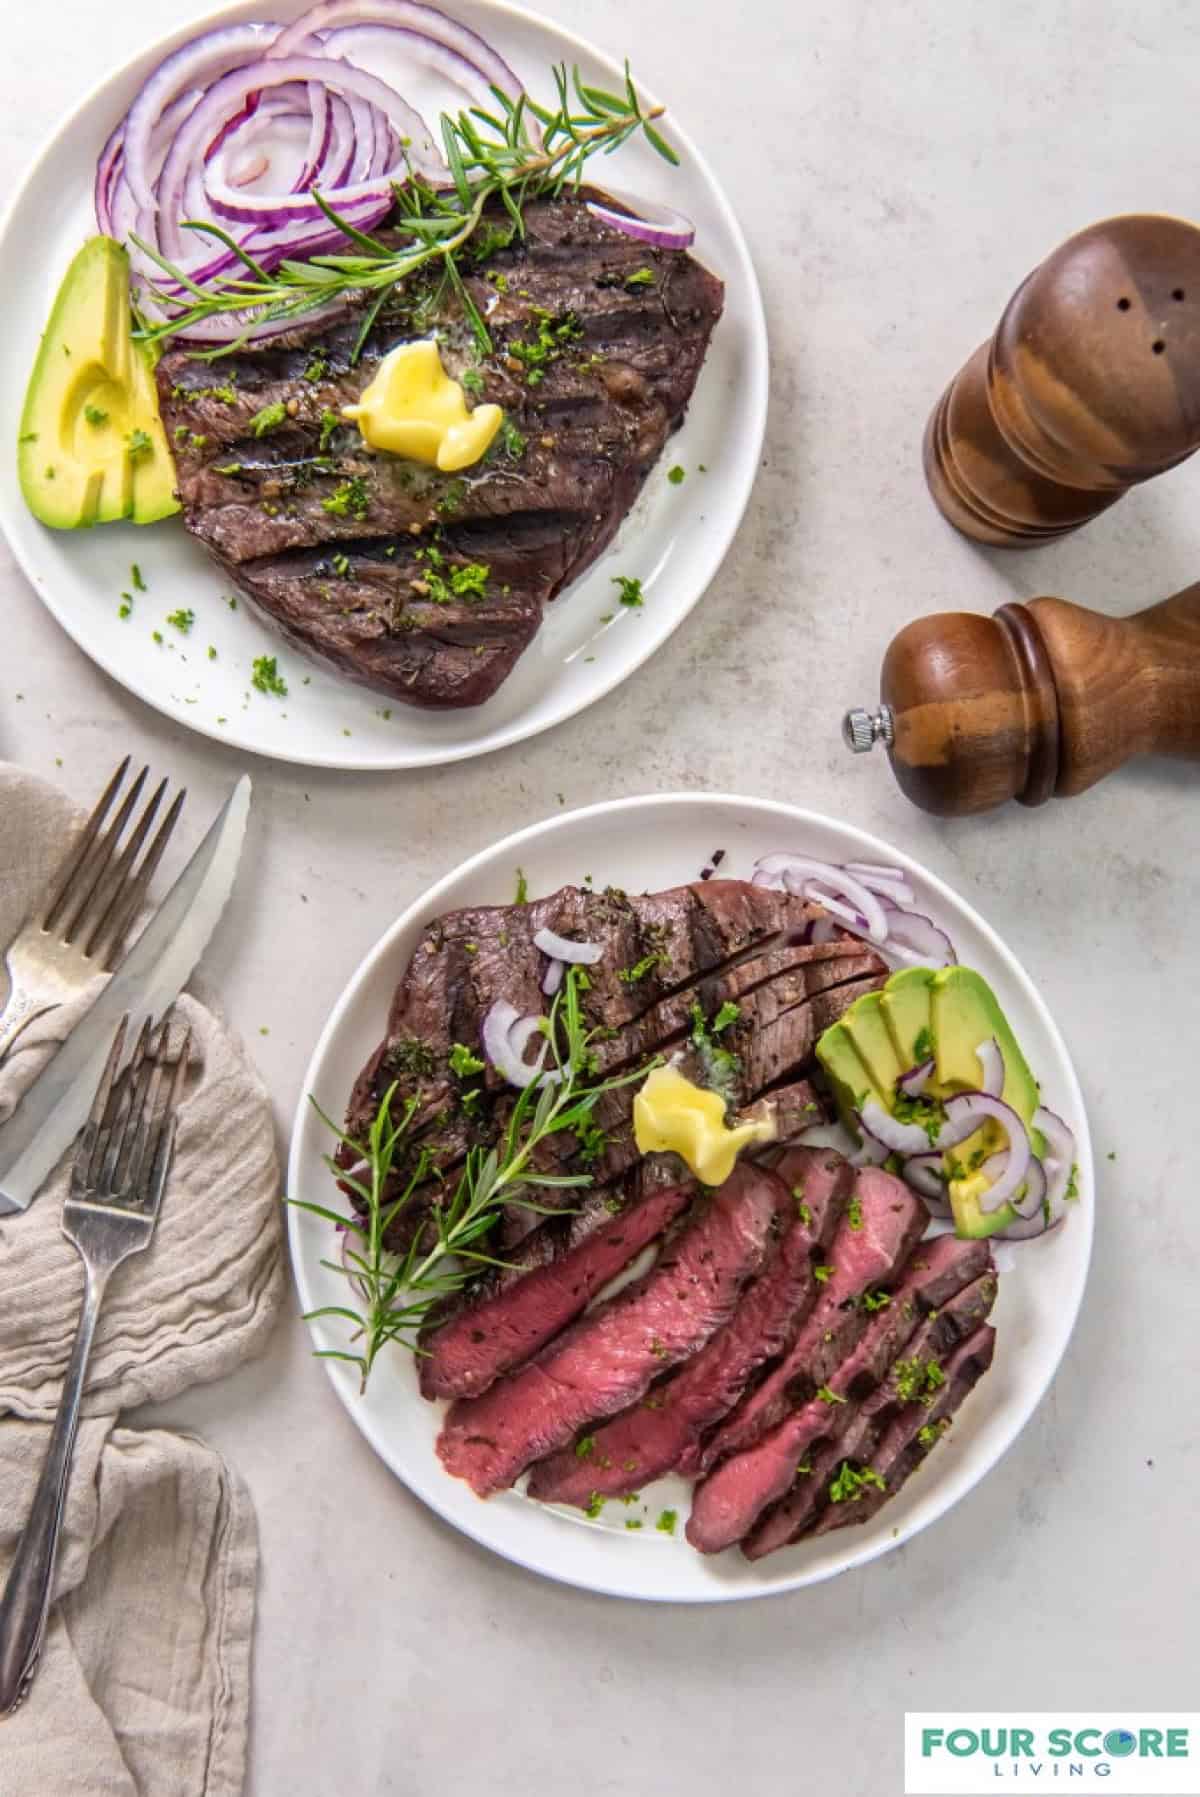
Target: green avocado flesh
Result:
[945, 1016]
[91, 446]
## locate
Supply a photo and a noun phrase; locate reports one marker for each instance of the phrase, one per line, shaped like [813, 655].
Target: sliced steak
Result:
[501, 1331]
[885, 1223]
[914, 1433]
[609, 1358]
[727, 1504]
[856, 1427]
[351, 554]
[653, 1438]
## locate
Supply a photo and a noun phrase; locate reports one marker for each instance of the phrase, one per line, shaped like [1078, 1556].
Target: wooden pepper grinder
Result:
[1044, 698]
[1090, 385]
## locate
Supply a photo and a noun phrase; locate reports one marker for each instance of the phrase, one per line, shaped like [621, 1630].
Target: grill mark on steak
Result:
[892, 1219]
[593, 425]
[653, 1438]
[823, 1441]
[609, 1358]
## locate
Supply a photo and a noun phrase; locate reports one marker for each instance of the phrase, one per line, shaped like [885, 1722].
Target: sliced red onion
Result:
[554, 978]
[804, 877]
[1024, 1229]
[926, 1174]
[823, 930]
[660, 226]
[1059, 1159]
[193, 66]
[914, 1082]
[992, 1061]
[357, 42]
[506, 1035]
[426, 23]
[897, 1137]
[564, 948]
[869, 1153]
[916, 941]
[888, 881]
[964, 1115]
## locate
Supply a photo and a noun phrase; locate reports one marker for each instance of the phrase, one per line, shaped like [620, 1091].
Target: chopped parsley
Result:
[472, 380]
[125, 607]
[631, 590]
[341, 566]
[463, 1062]
[927, 1113]
[721, 1065]
[802, 1209]
[876, 1300]
[317, 367]
[594, 1505]
[138, 445]
[522, 897]
[632, 1522]
[932, 1432]
[641, 277]
[1072, 1190]
[329, 423]
[266, 677]
[553, 334]
[630, 976]
[135, 575]
[666, 1522]
[350, 500]
[268, 418]
[677, 475]
[592, 1140]
[181, 620]
[585, 1447]
[823, 1274]
[850, 1485]
[466, 582]
[923, 1045]
[512, 440]
[917, 1380]
[94, 415]
[729, 1013]
[212, 654]
[828, 1396]
[231, 601]
[854, 1214]
[804, 1468]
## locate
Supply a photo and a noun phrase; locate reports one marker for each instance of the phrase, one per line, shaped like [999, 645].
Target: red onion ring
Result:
[565, 948]
[425, 23]
[506, 1035]
[897, 1137]
[553, 978]
[660, 226]
[926, 1174]
[806, 878]
[914, 1082]
[965, 1112]
[992, 1061]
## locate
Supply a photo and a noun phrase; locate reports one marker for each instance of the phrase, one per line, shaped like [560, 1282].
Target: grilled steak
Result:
[653, 1437]
[821, 1444]
[353, 555]
[908, 1439]
[867, 1251]
[609, 1358]
[501, 1330]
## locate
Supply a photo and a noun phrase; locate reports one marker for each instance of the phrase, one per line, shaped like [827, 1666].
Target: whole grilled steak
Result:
[358, 558]
[654, 1437]
[609, 1358]
[796, 1461]
[869, 1248]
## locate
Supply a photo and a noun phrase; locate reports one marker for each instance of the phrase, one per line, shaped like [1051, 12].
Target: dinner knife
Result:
[52, 1111]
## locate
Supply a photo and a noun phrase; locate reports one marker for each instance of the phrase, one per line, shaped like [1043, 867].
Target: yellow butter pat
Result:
[412, 408]
[673, 1115]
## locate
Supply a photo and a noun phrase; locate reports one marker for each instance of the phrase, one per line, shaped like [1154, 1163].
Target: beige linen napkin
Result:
[143, 1689]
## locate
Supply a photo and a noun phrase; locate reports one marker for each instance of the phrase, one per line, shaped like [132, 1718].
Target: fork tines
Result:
[99, 889]
[126, 1144]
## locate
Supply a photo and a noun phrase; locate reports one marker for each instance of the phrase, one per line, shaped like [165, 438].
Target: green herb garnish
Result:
[828, 1396]
[641, 277]
[463, 1062]
[677, 475]
[350, 500]
[522, 897]
[823, 1274]
[631, 590]
[266, 678]
[94, 415]
[666, 1522]
[181, 620]
[850, 1484]
[138, 445]
[268, 418]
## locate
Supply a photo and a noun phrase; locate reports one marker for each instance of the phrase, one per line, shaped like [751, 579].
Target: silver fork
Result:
[79, 924]
[117, 1183]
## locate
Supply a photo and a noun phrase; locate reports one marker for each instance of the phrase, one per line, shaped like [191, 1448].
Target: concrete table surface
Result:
[898, 169]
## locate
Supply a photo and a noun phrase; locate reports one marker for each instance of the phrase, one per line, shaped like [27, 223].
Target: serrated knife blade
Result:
[150, 978]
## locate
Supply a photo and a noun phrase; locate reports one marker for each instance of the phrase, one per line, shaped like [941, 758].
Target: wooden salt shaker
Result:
[1090, 385]
[1042, 699]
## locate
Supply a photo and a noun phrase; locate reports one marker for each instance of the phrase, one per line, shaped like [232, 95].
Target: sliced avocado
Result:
[154, 468]
[906, 1008]
[966, 1014]
[970, 1219]
[873, 1043]
[89, 391]
[851, 1082]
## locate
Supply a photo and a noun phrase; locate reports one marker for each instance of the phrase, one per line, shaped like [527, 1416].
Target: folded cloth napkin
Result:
[143, 1690]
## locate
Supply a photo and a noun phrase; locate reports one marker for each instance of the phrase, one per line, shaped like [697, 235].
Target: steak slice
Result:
[351, 554]
[609, 1358]
[500, 1331]
[908, 1439]
[868, 1250]
[727, 1505]
[652, 1438]
[855, 1428]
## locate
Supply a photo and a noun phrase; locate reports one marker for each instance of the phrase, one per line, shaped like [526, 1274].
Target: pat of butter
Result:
[412, 408]
[670, 1113]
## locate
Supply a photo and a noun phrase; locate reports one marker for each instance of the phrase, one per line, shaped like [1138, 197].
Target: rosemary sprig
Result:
[397, 1291]
[491, 156]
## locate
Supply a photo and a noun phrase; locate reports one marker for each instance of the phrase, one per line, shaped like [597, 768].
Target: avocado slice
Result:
[970, 1219]
[965, 1014]
[873, 1043]
[906, 1008]
[852, 1083]
[91, 389]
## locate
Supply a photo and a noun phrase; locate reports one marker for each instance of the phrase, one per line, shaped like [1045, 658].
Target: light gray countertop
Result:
[898, 169]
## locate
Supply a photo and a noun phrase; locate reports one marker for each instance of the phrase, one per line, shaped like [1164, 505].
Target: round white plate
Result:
[673, 540]
[650, 843]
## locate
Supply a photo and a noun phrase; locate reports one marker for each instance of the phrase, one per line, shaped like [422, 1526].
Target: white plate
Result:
[673, 540]
[650, 843]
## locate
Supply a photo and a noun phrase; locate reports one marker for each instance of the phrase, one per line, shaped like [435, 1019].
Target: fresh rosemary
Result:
[397, 1291]
[491, 157]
